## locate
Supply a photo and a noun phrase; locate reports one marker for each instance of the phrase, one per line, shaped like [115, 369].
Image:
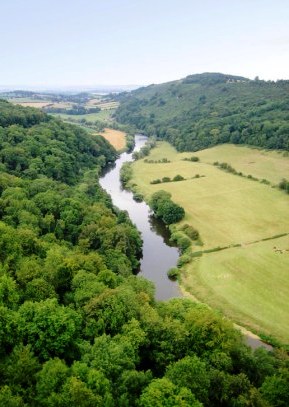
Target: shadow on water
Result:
[161, 229]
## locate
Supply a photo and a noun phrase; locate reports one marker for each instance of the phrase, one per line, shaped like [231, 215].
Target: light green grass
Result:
[225, 208]
[270, 165]
[249, 283]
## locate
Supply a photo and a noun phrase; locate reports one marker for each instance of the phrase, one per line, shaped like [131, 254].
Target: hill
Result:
[207, 109]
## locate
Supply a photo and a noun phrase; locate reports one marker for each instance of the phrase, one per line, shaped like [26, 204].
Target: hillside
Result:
[207, 109]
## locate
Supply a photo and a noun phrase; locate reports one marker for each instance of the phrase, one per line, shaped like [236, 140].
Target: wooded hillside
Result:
[203, 110]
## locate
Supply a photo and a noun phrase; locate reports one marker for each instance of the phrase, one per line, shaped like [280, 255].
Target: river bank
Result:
[158, 253]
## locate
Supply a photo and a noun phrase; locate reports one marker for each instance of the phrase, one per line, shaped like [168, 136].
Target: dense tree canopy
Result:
[77, 327]
[208, 109]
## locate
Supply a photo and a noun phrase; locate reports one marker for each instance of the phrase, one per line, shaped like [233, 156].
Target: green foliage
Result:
[145, 150]
[50, 328]
[178, 177]
[209, 109]
[165, 208]
[173, 273]
[191, 373]
[190, 231]
[163, 393]
[33, 144]
[284, 185]
[193, 158]
[275, 389]
[125, 173]
[77, 328]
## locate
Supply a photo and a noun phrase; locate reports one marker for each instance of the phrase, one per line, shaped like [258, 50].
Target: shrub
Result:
[165, 208]
[178, 178]
[191, 232]
[138, 197]
[156, 181]
[173, 273]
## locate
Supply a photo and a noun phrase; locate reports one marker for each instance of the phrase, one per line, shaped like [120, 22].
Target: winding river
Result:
[159, 255]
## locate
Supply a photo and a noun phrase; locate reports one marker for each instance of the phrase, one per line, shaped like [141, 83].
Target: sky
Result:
[63, 43]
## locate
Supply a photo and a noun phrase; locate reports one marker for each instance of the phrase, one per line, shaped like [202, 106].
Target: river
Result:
[159, 255]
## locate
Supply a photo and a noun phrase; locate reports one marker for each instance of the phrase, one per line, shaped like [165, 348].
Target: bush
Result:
[165, 208]
[191, 232]
[125, 173]
[173, 273]
[184, 259]
[193, 159]
[284, 185]
[178, 178]
[156, 181]
[138, 197]
[182, 241]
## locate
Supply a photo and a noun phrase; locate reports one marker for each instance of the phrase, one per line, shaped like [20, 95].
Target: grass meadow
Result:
[249, 283]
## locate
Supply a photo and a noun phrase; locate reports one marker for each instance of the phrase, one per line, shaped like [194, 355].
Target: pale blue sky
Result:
[88, 42]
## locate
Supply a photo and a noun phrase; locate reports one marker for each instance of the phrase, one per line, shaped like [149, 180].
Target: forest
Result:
[207, 109]
[78, 327]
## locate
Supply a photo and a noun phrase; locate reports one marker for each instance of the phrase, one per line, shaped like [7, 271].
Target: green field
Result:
[270, 165]
[231, 210]
[103, 115]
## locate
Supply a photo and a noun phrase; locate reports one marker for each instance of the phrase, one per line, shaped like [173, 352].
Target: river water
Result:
[159, 255]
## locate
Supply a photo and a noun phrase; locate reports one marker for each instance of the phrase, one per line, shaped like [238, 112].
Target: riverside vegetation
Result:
[78, 328]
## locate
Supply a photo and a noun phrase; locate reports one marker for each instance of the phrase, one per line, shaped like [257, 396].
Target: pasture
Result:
[271, 165]
[230, 210]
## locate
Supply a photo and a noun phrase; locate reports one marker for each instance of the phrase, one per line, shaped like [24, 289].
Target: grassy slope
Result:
[249, 283]
[227, 209]
[271, 165]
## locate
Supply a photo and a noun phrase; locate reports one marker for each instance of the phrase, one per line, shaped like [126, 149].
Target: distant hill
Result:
[211, 108]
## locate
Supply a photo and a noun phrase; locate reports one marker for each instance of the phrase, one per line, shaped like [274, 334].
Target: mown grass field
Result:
[249, 283]
[115, 137]
[270, 165]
